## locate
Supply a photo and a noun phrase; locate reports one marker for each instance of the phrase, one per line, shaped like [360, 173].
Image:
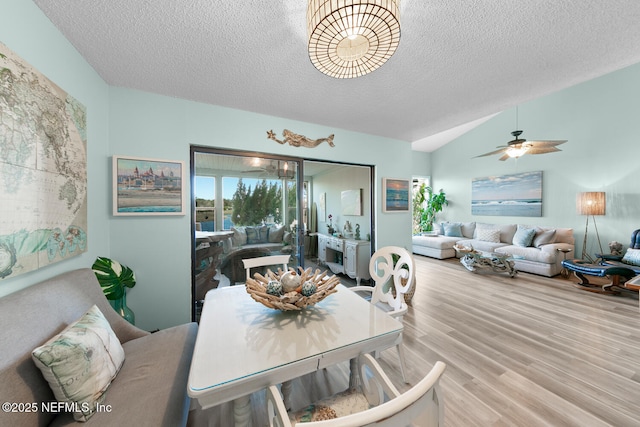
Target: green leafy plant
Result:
[113, 277]
[426, 204]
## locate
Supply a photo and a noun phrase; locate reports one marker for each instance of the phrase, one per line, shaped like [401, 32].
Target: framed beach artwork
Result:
[507, 195]
[395, 195]
[144, 186]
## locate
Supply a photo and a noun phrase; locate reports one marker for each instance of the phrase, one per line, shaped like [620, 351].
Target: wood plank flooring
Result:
[527, 351]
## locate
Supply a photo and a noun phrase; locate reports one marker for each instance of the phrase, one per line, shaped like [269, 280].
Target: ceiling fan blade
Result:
[502, 150]
[542, 150]
[547, 143]
[504, 157]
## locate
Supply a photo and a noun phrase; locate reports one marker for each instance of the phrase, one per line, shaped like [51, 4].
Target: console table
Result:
[345, 256]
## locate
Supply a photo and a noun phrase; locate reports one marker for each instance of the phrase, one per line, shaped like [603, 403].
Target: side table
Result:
[564, 272]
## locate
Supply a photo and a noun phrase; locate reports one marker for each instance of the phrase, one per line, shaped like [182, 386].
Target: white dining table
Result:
[243, 347]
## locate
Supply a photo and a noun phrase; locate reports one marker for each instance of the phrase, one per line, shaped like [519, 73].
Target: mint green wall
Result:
[420, 164]
[25, 30]
[599, 119]
[158, 248]
[127, 122]
[333, 184]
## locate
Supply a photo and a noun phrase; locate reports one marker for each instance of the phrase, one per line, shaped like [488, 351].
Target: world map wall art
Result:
[43, 170]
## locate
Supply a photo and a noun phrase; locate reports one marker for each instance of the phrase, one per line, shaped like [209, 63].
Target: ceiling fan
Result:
[267, 169]
[520, 146]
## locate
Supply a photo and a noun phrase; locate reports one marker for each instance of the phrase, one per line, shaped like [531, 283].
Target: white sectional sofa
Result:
[540, 255]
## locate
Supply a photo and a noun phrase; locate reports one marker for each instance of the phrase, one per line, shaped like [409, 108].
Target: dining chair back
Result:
[265, 261]
[391, 266]
[383, 405]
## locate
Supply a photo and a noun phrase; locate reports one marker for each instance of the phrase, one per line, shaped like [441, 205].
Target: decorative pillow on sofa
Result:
[544, 237]
[80, 362]
[276, 234]
[263, 234]
[253, 235]
[239, 236]
[524, 236]
[452, 229]
[488, 234]
[632, 257]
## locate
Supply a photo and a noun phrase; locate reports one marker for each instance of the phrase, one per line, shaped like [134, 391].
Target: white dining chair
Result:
[265, 261]
[377, 403]
[391, 266]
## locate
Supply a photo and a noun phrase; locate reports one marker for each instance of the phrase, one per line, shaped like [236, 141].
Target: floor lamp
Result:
[590, 204]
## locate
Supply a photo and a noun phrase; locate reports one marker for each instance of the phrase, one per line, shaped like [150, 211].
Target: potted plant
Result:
[426, 204]
[114, 278]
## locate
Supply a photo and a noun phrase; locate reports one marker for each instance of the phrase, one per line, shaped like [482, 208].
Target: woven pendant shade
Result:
[351, 38]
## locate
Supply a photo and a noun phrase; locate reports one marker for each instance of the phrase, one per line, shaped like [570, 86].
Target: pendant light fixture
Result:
[351, 38]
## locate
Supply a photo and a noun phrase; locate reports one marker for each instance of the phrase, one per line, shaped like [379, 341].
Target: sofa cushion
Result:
[524, 236]
[150, 389]
[632, 257]
[436, 242]
[564, 235]
[480, 245]
[276, 234]
[80, 362]
[467, 228]
[544, 237]
[253, 235]
[239, 236]
[506, 231]
[452, 229]
[487, 234]
[529, 254]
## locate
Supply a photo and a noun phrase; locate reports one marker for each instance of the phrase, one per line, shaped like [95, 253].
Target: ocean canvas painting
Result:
[507, 195]
[395, 195]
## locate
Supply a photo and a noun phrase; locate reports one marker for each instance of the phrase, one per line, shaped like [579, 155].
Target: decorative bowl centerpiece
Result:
[464, 249]
[291, 290]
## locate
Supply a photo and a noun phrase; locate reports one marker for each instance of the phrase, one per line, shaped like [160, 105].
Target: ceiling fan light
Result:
[351, 38]
[514, 152]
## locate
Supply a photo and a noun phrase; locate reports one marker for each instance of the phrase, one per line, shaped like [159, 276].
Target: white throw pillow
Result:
[488, 234]
[632, 257]
[80, 362]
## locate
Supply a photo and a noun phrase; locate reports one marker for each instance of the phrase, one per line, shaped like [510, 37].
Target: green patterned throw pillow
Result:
[80, 362]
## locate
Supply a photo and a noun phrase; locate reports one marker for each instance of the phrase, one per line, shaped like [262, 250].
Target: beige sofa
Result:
[540, 256]
[149, 390]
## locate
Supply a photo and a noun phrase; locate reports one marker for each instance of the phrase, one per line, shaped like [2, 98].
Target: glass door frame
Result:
[299, 180]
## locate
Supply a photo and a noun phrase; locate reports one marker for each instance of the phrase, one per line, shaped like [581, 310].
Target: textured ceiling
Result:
[458, 61]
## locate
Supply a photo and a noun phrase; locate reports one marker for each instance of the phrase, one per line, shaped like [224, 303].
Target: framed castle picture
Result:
[144, 186]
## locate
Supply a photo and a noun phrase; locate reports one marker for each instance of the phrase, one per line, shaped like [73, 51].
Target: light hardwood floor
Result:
[527, 351]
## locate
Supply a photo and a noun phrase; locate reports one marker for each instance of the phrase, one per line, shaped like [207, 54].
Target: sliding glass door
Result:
[245, 205]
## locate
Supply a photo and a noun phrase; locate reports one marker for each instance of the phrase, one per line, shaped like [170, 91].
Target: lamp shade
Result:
[351, 38]
[591, 203]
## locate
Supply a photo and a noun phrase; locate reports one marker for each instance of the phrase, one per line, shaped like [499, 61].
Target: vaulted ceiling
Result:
[458, 62]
